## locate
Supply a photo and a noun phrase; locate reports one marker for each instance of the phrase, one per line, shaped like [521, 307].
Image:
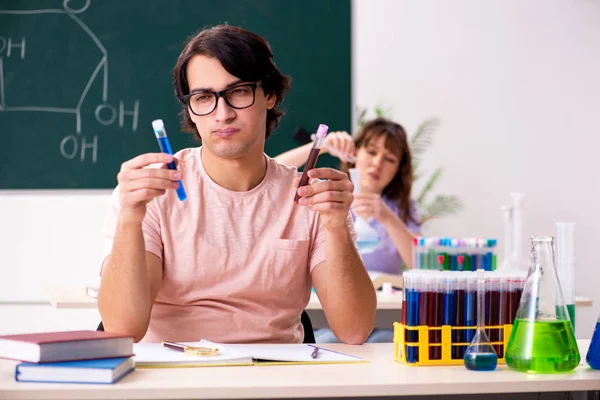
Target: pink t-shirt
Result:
[236, 265]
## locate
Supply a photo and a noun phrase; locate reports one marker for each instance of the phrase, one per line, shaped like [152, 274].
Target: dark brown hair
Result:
[244, 55]
[396, 141]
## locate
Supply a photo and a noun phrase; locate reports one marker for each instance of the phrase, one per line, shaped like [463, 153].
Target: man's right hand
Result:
[139, 185]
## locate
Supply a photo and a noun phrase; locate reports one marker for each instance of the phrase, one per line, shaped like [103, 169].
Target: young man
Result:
[235, 261]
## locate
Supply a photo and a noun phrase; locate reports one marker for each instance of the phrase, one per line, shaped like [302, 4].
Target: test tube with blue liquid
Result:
[470, 307]
[412, 317]
[165, 146]
[449, 308]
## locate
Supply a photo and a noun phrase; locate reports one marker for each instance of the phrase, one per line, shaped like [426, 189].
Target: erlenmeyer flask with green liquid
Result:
[542, 339]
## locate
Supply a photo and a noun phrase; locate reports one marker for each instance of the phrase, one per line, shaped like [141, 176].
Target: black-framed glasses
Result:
[238, 96]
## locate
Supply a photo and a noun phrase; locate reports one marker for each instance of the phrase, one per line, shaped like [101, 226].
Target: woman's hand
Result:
[340, 144]
[371, 205]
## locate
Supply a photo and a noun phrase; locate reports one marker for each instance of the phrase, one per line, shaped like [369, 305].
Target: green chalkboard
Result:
[81, 80]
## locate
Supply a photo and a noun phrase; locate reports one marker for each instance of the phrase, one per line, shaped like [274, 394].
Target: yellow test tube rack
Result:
[423, 345]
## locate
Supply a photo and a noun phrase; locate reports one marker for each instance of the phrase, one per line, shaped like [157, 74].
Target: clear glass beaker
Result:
[542, 339]
[367, 237]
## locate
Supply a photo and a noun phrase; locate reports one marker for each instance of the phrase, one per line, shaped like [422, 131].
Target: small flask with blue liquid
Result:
[480, 355]
[593, 354]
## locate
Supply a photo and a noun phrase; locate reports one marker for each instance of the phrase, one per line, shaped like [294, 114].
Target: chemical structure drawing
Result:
[15, 60]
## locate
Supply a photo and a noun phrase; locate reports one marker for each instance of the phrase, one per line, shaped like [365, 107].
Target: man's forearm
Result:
[125, 299]
[351, 297]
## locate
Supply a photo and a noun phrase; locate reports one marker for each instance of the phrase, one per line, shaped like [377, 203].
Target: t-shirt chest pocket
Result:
[272, 265]
[287, 262]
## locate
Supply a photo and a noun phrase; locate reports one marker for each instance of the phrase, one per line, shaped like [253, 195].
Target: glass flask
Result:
[480, 355]
[542, 338]
[367, 238]
[565, 264]
[593, 354]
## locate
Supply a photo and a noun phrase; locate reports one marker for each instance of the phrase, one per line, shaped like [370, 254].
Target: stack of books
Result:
[69, 356]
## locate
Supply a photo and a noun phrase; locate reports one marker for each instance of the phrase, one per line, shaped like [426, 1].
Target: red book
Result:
[65, 346]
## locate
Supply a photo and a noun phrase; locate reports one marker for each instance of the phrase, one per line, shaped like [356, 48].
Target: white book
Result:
[155, 355]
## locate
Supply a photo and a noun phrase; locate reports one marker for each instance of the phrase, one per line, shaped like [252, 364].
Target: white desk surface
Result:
[76, 297]
[382, 376]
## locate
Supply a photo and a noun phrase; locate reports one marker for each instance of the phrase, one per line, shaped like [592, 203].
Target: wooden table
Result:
[382, 376]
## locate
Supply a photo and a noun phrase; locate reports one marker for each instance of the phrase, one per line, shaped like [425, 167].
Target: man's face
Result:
[227, 132]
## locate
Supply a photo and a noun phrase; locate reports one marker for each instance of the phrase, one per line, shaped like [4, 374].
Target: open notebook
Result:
[155, 355]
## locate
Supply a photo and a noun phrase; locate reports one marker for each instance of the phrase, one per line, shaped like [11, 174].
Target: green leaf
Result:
[429, 185]
[441, 205]
[415, 168]
[416, 175]
[423, 138]
[381, 112]
[362, 112]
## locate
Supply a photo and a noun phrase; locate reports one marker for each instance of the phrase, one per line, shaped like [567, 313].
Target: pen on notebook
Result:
[191, 350]
[315, 352]
[175, 346]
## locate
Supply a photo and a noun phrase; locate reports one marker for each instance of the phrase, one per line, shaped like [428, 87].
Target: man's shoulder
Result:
[282, 171]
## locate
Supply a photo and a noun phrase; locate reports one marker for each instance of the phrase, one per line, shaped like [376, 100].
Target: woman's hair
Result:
[244, 55]
[396, 141]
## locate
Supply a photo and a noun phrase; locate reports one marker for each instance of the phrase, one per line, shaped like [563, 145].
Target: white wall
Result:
[48, 238]
[517, 87]
[516, 84]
